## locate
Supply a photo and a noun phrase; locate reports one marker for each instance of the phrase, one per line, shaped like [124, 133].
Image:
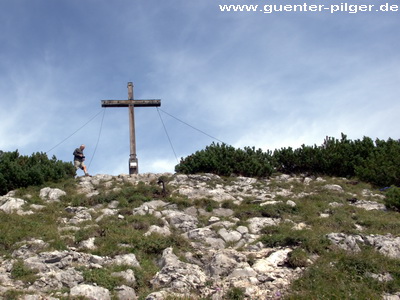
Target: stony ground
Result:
[226, 253]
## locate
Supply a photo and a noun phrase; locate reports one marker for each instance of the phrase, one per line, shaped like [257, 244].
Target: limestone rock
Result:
[229, 236]
[257, 223]
[334, 187]
[271, 262]
[125, 259]
[127, 275]
[10, 204]
[164, 231]
[149, 207]
[51, 195]
[88, 244]
[177, 275]
[386, 244]
[291, 203]
[125, 293]
[369, 205]
[91, 292]
[180, 220]
[346, 242]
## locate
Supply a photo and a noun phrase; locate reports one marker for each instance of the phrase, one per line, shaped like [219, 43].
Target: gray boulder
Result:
[178, 276]
[125, 293]
[10, 204]
[51, 195]
[333, 187]
[90, 292]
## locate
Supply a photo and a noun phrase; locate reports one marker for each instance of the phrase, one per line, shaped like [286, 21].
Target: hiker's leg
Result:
[84, 169]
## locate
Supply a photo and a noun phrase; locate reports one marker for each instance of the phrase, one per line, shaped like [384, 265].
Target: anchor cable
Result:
[74, 132]
[165, 129]
[98, 137]
[191, 126]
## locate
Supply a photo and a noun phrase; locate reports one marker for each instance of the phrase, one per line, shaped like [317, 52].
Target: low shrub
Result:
[376, 162]
[297, 258]
[103, 278]
[284, 236]
[278, 236]
[234, 293]
[18, 171]
[392, 200]
[225, 160]
[207, 204]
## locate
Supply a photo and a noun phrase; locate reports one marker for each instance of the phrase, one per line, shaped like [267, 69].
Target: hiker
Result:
[79, 158]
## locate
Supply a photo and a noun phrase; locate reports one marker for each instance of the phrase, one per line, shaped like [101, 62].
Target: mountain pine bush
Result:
[18, 171]
[334, 157]
[382, 165]
[392, 200]
[226, 160]
[375, 162]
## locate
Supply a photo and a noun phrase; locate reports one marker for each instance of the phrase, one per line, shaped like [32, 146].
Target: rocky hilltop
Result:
[226, 252]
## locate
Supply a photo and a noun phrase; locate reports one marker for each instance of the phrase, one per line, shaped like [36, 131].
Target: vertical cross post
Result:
[131, 104]
[133, 161]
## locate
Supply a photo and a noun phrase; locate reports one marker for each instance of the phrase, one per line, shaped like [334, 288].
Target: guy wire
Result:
[98, 137]
[191, 126]
[165, 129]
[74, 132]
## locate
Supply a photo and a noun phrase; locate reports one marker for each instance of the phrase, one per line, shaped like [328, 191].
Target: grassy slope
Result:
[334, 274]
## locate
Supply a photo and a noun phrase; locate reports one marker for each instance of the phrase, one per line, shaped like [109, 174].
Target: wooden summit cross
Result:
[131, 103]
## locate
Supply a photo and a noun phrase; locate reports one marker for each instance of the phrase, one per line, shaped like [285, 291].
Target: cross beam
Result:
[126, 103]
[131, 103]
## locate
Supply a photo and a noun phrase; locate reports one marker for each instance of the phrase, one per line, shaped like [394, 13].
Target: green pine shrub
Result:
[225, 160]
[334, 157]
[304, 159]
[392, 200]
[382, 166]
[376, 162]
[17, 171]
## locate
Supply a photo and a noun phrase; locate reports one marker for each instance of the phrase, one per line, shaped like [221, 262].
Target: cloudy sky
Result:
[267, 80]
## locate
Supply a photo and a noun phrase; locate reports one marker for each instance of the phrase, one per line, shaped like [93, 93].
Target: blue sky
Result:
[245, 78]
